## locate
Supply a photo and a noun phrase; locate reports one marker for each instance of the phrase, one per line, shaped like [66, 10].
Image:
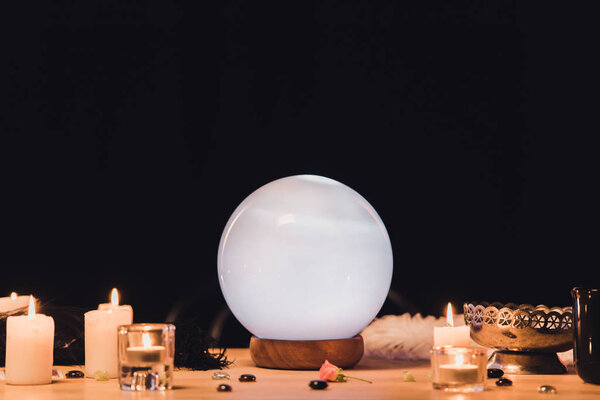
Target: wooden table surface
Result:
[281, 384]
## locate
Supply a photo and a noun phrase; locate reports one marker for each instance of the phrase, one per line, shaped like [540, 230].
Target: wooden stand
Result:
[306, 354]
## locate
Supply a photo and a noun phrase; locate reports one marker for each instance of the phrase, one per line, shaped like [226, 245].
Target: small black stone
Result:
[75, 374]
[317, 384]
[247, 378]
[504, 382]
[494, 372]
[223, 387]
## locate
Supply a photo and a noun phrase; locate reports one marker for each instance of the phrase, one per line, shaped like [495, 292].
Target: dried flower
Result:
[330, 372]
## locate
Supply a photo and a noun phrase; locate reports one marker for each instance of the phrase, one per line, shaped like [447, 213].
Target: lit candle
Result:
[147, 354]
[459, 372]
[114, 303]
[13, 302]
[451, 335]
[101, 335]
[29, 348]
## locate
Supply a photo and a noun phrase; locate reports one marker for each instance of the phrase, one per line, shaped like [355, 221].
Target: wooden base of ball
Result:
[306, 354]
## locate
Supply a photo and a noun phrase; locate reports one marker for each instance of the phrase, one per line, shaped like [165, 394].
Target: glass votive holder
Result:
[146, 356]
[458, 369]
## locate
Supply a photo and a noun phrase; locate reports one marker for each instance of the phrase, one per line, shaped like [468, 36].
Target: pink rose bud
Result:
[328, 372]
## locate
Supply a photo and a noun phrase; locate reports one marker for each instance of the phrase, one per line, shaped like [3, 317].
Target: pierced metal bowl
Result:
[527, 337]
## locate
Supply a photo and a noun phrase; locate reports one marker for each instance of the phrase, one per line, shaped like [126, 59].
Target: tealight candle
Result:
[147, 354]
[458, 372]
[101, 336]
[29, 348]
[461, 369]
[13, 302]
[451, 335]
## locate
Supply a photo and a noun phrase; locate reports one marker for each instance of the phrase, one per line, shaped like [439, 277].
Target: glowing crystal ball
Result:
[305, 258]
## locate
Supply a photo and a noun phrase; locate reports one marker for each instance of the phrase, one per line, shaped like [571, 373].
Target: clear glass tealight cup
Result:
[146, 356]
[458, 369]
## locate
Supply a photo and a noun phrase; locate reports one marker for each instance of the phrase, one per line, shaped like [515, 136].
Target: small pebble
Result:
[504, 382]
[317, 384]
[101, 375]
[408, 377]
[220, 375]
[547, 389]
[247, 378]
[494, 373]
[75, 374]
[223, 387]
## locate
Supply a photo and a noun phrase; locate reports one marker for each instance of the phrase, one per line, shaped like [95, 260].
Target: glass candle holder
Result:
[458, 369]
[146, 354]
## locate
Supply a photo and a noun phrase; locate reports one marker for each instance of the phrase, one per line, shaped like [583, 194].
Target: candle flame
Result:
[449, 318]
[114, 297]
[460, 359]
[13, 295]
[146, 339]
[31, 313]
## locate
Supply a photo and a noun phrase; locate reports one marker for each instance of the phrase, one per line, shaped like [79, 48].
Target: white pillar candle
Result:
[29, 348]
[101, 337]
[13, 303]
[458, 336]
[108, 306]
[114, 303]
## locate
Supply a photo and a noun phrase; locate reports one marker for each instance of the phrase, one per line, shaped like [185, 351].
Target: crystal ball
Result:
[305, 257]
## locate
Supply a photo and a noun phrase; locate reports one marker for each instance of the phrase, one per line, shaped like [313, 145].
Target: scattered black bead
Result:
[494, 372]
[223, 387]
[247, 378]
[317, 384]
[504, 382]
[75, 374]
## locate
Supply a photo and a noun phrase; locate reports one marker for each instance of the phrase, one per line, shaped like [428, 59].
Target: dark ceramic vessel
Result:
[586, 333]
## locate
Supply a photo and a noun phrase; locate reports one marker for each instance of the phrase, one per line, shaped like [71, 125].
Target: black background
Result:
[132, 130]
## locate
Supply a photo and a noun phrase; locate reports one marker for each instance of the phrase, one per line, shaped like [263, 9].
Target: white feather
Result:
[406, 337]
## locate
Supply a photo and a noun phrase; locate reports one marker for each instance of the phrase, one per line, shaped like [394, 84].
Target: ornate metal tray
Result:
[526, 337]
